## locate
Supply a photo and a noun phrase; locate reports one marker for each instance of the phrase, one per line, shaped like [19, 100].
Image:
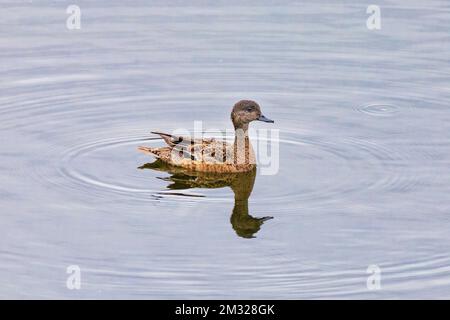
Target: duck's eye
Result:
[249, 109]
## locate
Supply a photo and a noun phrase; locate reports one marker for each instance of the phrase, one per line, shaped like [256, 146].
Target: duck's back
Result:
[205, 155]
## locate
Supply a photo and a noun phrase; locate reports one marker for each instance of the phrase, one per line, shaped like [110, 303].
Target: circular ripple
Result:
[379, 110]
[318, 172]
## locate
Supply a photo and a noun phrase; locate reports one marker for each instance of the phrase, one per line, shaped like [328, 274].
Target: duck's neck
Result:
[240, 134]
[243, 151]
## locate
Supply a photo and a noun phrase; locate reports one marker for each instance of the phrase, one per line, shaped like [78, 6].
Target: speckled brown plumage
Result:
[209, 154]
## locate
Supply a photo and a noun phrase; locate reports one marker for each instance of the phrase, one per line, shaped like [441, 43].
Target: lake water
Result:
[363, 118]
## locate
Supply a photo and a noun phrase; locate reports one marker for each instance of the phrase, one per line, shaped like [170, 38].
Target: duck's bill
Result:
[264, 119]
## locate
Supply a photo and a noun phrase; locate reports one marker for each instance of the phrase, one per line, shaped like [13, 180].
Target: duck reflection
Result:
[242, 183]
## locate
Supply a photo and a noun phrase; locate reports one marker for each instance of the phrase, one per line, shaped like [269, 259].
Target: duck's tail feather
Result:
[171, 140]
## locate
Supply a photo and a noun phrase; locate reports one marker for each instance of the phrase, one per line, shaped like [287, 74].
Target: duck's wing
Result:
[204, 149]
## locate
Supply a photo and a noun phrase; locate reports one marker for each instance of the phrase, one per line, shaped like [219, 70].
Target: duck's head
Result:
[246, 111]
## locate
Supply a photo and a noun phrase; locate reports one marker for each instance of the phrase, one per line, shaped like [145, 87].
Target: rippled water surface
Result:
[364, 151]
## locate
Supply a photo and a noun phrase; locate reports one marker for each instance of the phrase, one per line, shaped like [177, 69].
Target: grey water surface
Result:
[364, 150]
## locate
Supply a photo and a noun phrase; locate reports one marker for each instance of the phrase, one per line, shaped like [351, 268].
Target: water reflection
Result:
[245, 225]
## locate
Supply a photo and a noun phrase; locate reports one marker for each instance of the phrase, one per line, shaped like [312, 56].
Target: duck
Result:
[210, 154]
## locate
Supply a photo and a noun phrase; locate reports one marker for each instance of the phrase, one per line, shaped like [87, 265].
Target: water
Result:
[364, 150]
